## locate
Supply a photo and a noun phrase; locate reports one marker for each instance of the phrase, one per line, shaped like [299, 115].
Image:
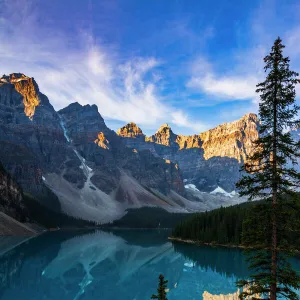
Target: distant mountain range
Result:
[70, 161]
[210, 160]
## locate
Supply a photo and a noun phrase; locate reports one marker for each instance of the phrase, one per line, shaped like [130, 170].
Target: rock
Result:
[164, 136]
[234, 140]
[107, 155]
[32, 140]
[209, 159]
[130, 130]
[27, 87]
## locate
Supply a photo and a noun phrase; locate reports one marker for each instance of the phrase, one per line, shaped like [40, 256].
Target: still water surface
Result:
[118, 265]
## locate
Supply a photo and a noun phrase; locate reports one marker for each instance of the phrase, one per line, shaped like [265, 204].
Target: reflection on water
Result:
[115, 265]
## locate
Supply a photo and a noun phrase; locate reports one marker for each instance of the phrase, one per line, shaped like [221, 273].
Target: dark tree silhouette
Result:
[161, 291]
[272, 178]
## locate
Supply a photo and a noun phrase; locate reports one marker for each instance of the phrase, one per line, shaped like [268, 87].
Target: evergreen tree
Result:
[161, 291]
[272, 178]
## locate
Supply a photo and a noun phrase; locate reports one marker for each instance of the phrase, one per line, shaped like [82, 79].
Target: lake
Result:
[123, 264]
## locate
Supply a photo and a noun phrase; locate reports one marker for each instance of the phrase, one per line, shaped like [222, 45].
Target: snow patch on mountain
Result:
[88, 172]
[191, 187]
[62, 124]
[86, 169]
[219, 190]
[234, 193]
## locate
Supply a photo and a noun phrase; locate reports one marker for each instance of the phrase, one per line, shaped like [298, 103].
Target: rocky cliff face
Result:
[31, 138]
[110, 177]
[11, 197]
[234, 140]
[104, 150]
[27, 87]
[164, 136]
[209, 159]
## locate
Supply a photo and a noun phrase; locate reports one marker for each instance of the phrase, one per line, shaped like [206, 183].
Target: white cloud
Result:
[230, 88]
[239, 80]
[181, 119]
[96, 63]
[79, 69]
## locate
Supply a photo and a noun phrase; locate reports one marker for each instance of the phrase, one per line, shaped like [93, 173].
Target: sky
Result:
[193, 64]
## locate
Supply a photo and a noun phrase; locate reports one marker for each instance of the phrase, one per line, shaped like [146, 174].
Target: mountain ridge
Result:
[74, 163]
[228, 144]
[132, 130]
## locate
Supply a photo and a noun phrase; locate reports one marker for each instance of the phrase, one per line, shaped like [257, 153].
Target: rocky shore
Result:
[174, 239]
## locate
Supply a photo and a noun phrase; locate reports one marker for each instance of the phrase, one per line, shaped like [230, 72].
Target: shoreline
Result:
[198, 243]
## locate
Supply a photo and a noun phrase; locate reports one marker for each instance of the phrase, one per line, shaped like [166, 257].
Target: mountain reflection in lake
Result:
[115, 265]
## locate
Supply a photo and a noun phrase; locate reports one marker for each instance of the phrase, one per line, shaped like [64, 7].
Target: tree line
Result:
[229, 225]
[219, 226]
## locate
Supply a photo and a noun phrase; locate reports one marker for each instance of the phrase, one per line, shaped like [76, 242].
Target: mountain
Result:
[31, 138]
[71, 162]
[211, 160]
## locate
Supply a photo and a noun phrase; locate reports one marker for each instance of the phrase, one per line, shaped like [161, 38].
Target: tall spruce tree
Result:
[161, 291]
[270, 176]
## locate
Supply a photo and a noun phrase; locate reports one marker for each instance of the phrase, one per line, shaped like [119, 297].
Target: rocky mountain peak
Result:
[75, 106]
[82, 121]
[14, 77]
[164, 136]
[25, 86]
[233, 139]
[164, 128]
[250, 117]
[130, 130]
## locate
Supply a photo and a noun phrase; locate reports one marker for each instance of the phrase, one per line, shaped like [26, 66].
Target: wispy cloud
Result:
[80, 69]
[227, 88]
[238, 82]
[244, 68]
[181, 119]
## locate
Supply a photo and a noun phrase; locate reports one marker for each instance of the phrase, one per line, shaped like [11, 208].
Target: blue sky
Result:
[191, 63]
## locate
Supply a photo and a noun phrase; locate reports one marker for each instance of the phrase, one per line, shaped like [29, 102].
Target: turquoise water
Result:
[116, 265]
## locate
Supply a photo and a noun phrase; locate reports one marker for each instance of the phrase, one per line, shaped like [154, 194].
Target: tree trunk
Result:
[274, 249]
[273, 287]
